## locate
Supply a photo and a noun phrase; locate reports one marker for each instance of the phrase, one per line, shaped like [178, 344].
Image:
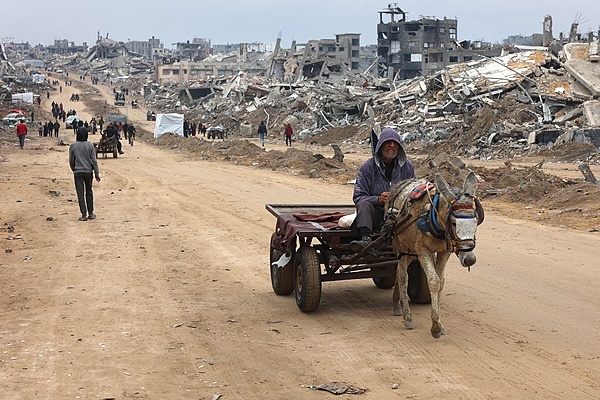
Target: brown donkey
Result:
[431, 227]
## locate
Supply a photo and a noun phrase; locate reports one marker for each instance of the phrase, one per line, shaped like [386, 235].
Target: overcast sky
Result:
[234, 21]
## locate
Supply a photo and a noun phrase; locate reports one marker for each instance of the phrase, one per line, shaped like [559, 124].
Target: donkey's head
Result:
[464, 214]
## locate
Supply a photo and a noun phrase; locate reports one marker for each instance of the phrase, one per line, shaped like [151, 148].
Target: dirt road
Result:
[167, 295]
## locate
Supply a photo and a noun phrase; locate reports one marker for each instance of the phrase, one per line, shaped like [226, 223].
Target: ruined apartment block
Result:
[408, 49]
[149, 49]
[344, 48]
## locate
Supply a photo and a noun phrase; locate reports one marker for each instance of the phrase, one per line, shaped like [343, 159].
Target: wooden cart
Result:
[308, 248]
[106, 146]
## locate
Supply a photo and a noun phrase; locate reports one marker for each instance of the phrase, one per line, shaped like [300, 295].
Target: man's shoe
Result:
[358, 245]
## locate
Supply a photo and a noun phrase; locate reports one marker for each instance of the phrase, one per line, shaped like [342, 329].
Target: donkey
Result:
[439, 222]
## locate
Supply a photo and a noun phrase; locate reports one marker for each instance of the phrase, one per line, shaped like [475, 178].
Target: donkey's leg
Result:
[401, 302]
[428, 260]
[437, 328]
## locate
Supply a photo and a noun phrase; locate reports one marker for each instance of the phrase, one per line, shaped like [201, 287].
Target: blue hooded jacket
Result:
[371, 180]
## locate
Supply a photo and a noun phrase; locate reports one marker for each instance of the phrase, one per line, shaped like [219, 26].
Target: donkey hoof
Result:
[409, 325]
[398, 313]
[437, 334]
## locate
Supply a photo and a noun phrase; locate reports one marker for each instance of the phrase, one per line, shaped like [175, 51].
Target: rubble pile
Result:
[243, 152]
[507, 106]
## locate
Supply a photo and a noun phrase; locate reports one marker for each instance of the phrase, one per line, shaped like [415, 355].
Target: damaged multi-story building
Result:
[64, 47]
[18, 50]
[344, 48]
[106, 48]
[197, 50]
[408, 49]
[315, 58]
[150, 49]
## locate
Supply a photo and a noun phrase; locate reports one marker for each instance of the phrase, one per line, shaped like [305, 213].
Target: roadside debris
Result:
[339, 388]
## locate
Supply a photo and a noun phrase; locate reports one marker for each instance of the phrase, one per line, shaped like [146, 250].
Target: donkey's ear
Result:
[442, 186]
[470, 184]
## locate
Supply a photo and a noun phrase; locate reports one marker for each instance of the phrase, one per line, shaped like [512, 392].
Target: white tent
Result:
[24, 97]
[168, 123]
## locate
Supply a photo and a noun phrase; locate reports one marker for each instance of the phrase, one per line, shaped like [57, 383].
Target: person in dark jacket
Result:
[112, 133]
[83, 163]
[375, 178]
[262, 132]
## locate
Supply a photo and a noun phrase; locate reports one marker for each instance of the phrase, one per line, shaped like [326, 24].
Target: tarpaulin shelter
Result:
[24, 97]
[166, 123]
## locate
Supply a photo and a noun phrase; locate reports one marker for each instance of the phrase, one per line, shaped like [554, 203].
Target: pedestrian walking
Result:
[21, 133]
[83, 163]
[262, 132]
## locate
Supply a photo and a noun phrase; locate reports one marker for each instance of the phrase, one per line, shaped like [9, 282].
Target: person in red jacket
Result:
[21, 132]
[288, 135]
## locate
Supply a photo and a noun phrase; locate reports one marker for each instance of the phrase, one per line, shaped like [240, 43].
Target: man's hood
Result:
[386, 135]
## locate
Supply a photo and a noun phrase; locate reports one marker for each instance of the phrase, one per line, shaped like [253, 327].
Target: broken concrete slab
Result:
[591, 110]
[587, 73]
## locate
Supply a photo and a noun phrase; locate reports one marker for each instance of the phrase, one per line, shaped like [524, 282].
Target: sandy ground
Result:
[167, 295]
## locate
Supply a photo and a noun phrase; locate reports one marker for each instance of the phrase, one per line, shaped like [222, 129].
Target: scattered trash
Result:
[339, 388]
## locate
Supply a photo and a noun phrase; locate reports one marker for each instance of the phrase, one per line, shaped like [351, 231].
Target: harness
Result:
[428, 219]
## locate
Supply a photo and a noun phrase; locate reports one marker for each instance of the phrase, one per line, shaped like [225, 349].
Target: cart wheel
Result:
[386, 282]
[307, 279]
[418, 288]
[282, 278]
[115, 152]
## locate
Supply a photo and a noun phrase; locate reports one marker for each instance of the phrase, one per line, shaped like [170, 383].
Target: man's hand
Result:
[97, 179]
[383, 197]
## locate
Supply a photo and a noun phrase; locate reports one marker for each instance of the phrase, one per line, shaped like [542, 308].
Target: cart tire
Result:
[307, 279]
[418, 288]
[386, 282]
[115, 152]
[282, 279]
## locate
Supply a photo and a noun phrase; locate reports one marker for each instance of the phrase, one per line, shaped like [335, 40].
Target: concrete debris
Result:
[587, 173]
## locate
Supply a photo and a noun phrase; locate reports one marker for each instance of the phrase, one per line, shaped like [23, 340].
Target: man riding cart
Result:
[109, 143]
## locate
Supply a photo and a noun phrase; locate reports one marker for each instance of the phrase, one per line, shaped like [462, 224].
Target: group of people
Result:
[193, 129]
[58, 112]
[47, 128]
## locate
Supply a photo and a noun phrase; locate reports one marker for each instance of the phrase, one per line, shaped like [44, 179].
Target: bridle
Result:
[458, 213]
